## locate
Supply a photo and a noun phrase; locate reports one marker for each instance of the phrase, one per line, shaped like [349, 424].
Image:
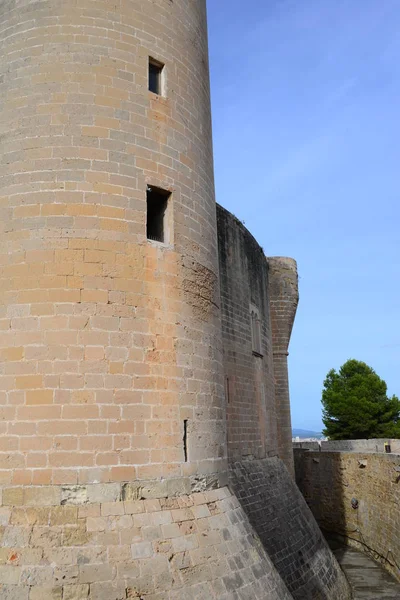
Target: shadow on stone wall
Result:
[355, 496]
[288, 530]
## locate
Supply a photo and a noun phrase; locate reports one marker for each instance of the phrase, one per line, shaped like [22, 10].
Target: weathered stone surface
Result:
[110, 492]
[43, 593]
[42, 496]
[75, 592]
[13, 592]
[74, 494]
[192, 544]
[107, 591]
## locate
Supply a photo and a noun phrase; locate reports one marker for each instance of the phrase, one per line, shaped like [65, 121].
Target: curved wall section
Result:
[248, 361]
[110, 342]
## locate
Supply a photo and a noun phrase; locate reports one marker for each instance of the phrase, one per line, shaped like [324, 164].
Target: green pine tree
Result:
[356, 405]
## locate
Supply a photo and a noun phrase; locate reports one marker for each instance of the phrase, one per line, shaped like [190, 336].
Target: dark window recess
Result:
[155, 76]
[157, 202]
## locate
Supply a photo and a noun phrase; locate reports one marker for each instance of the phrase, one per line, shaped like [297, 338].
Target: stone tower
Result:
[89, 154]
[113, 454]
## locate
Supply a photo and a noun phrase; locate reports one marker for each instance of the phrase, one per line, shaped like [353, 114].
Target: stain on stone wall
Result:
[200, 287]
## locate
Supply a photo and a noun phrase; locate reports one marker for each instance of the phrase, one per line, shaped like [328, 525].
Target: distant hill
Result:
[305, 433]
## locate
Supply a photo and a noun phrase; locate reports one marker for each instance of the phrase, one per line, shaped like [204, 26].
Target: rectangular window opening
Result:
[155, 76]
[157, 204]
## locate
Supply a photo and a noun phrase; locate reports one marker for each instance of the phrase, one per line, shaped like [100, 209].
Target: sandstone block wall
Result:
[288, 530]
[330, 480]
[113, 542]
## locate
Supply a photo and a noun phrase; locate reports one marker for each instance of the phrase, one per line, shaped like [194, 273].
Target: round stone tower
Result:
[109, 259]
[113, 447]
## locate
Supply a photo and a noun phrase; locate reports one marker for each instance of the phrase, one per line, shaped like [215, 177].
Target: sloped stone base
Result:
[288, 530]
[100, 542]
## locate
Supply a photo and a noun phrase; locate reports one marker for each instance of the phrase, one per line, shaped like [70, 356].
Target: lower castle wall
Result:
[330, 480]
[288, 530]
[118, 541]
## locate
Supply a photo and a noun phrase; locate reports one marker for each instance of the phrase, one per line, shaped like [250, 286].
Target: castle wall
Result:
[330, 480]
[249, 377]
[288, 530]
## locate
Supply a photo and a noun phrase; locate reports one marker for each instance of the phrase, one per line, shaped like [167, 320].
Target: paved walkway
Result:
[367, 578]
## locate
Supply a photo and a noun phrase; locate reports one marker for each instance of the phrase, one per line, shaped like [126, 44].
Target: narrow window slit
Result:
[185, 450]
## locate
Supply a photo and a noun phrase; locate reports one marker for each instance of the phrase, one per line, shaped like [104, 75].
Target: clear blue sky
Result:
[306, 103]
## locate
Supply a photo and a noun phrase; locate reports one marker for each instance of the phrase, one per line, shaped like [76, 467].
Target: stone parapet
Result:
[374, 445]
